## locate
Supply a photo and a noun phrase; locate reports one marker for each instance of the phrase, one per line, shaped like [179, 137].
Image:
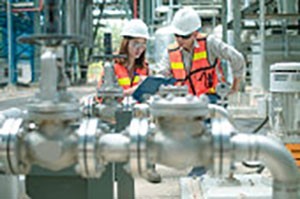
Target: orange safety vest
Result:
[202, 77]
[123, 78]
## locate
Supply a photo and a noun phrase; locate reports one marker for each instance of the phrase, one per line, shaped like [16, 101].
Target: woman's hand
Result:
[142, 78]
[129, 91]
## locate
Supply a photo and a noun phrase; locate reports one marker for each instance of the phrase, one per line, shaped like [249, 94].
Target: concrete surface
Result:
[169, 188]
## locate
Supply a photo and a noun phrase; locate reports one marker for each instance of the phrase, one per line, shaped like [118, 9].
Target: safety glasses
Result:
[184, 36]
[138, 45]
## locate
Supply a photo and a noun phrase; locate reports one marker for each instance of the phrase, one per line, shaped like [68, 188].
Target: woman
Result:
[133, 69]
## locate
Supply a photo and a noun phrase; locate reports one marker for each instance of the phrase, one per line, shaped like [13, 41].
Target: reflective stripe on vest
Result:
[177, 65]
[125, 81]
[202, 77]
[123, 78]
[200, 55]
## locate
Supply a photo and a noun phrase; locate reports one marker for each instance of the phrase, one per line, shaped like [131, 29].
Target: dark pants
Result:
[216, 99]
[213, 98]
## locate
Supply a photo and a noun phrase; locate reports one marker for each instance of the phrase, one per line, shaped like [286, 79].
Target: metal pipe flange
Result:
[10, 160]
[222, 131]
[138, 147]
[89, 166]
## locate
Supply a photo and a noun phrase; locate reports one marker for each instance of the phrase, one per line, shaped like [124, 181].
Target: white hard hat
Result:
[135, 28]
[185, 21]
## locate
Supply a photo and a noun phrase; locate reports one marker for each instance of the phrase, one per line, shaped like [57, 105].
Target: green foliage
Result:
[115, 27]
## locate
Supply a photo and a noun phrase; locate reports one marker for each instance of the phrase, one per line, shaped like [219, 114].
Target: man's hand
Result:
[235, 85]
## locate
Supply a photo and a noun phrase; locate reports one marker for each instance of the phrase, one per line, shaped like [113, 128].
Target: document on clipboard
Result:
[150, 86]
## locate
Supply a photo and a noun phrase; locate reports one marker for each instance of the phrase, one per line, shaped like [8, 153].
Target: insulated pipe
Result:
[276, 158]
[114, 148]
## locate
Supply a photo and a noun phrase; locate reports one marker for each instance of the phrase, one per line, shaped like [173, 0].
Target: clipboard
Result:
[150, 86]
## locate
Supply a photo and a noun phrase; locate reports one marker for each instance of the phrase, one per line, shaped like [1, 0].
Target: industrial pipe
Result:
[220, 111]
[113, 148]
[180, 129]
[276, 158]
[185, 138]
[135, 9]
[54, 153]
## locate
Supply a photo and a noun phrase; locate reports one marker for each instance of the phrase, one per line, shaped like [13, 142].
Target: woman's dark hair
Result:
[139, 62]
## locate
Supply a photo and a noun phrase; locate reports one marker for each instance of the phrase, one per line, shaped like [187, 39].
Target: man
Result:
[194, 59]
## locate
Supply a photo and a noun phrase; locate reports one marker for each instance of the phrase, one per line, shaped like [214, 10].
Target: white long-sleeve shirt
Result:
[216, 48]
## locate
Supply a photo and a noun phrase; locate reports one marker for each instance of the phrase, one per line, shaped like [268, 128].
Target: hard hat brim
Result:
[177, 31]
[135, 35]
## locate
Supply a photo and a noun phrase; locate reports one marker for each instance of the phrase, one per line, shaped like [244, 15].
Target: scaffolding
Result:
[16, 19]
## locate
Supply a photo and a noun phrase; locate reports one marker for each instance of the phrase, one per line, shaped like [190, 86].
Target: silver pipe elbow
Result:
[219, 111]
[275, 156]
